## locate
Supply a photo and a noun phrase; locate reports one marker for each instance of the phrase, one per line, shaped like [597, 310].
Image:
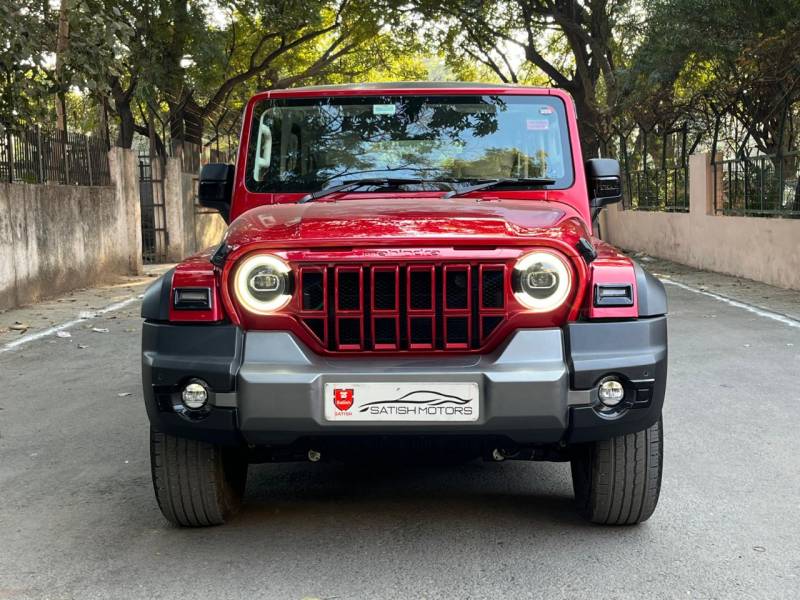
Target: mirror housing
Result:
[604, 182]
[215, 189]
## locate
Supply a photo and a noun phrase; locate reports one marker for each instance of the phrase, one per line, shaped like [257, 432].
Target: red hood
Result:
[397, 221]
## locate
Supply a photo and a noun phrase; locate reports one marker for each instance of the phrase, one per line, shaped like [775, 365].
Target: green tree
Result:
[575, 45]
[24, 87]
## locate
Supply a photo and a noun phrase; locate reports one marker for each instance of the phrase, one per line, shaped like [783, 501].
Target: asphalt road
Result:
[78, 518]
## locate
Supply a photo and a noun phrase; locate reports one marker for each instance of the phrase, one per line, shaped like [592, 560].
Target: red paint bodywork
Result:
[196, 272]
[415, 228]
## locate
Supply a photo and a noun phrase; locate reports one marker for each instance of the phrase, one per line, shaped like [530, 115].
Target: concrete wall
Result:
[763, 249]
[56, 238]
[191, 228]
[209, 229]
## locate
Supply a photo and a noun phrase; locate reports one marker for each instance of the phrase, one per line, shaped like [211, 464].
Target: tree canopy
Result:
[719, 74]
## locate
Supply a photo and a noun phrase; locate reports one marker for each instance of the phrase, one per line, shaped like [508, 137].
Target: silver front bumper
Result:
[524, 385]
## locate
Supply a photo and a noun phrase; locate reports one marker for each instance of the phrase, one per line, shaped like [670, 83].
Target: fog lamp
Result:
[611, 392]
[194, 395]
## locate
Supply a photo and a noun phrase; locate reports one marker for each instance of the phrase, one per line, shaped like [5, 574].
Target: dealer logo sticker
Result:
[343, 398]
[407, 401]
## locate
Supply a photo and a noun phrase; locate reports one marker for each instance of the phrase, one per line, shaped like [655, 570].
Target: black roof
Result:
[402, 84]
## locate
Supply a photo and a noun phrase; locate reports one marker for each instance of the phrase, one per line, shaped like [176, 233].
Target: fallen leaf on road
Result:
[99, 329]
[63, 334]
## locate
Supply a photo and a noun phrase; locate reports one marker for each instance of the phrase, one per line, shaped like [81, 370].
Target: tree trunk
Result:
[588, 125]
[62, 45]
[126, 123]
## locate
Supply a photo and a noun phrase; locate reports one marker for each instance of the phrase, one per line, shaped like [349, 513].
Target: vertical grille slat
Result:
[457, 295]
[403, 307]
[385, 307]
[421, 306]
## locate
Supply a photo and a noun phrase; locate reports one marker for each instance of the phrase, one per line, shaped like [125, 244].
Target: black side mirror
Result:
[216, 188]
[605, 182]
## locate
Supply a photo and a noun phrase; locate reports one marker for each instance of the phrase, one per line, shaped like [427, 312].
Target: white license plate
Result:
[423, 401]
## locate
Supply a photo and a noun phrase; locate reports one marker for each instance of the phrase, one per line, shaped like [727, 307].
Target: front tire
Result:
[618, 481]
[197, 484]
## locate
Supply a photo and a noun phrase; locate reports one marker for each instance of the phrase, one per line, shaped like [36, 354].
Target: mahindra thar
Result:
[409, 269]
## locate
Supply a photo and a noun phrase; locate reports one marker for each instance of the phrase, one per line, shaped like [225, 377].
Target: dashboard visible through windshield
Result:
[310, 144]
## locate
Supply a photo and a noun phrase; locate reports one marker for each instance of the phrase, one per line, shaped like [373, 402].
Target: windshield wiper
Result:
[495, 183]
[354, 184]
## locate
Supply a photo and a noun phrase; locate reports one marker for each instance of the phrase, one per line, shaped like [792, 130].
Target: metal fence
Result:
[663, 190]
[153, 209]
[758, 186]
[37, 155]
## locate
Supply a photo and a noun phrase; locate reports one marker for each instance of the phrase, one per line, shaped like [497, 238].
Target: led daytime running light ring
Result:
[245, 272]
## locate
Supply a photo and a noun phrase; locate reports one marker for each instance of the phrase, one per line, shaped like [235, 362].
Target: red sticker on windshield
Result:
[538, 124]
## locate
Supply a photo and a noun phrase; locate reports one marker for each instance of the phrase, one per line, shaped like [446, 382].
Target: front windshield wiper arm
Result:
[495, 183]
[352, 185]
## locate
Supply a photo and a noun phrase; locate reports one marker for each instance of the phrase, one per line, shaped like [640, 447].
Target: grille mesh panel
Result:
[349, 290]
[313, 292]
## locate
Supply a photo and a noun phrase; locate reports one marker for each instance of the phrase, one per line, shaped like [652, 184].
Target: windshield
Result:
[309, 144]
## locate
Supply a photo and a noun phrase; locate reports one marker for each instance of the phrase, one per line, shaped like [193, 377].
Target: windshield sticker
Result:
[546, 110]
[538, 124]
[384, 109]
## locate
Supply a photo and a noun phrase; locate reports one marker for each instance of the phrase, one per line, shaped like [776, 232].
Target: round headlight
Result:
[542, 281]
[262, 284]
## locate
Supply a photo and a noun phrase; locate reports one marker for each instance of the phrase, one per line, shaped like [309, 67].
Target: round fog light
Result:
[611, 392]
[194, 395]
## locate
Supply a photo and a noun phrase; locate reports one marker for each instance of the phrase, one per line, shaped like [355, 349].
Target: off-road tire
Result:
[196, 484]
[617, 481]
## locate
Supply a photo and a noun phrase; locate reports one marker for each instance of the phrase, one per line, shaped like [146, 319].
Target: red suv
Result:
[409, 269]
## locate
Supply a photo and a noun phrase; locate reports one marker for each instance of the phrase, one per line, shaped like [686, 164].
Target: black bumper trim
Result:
[635, 350]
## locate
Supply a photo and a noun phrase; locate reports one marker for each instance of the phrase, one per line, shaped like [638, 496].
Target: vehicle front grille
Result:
[412, 307]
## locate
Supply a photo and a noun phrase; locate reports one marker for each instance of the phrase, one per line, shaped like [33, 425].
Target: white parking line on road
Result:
[56, 328]
[761, 312]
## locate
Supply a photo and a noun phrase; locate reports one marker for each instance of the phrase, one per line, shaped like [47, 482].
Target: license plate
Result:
[424, 401]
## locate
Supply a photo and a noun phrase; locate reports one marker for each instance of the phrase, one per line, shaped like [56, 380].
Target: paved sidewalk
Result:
[28, 320]
[768, 297]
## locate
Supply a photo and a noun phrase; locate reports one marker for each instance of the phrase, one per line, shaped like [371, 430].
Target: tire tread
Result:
[193, 482]
[618, 481]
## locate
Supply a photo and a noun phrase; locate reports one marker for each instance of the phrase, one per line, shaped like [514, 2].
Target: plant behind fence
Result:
[665, 189]
[758, 186]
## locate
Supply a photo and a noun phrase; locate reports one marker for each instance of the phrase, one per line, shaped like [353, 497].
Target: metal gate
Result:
[154, 220]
